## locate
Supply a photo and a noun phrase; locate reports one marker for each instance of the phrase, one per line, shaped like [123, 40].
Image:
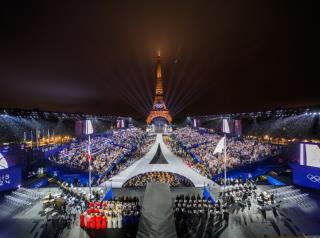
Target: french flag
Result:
[89, 131]
[89, 153]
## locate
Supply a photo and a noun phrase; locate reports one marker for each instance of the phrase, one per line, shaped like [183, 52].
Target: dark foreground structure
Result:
[157, 218]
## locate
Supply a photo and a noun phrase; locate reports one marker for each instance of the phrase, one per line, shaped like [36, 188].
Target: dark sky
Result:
[98, 56]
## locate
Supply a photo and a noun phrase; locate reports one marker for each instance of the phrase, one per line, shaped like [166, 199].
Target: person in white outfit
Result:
[109, 221]
[119, 220]
[114, 222]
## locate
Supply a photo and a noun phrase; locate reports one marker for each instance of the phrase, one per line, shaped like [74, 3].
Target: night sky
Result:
[99, 57]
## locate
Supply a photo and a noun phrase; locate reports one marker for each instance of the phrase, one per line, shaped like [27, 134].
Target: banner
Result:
[207, 195]
[10, 178]
[89, 127]
[108, 195]
[306, 176]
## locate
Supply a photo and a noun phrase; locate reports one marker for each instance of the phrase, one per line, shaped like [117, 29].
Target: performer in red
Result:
[98, 222]
[97, 204]
[88, 222]
[96, 210]
[103, 222]
[104, 204]
[89, 211]
[91, 204]
[93, 222]
[81, 220]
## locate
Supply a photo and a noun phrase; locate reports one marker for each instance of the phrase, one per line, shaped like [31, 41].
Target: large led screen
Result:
[310, 155]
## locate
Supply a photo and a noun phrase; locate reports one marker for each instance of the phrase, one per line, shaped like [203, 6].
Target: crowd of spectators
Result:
[190, 137]
[104, 150]
[186, 157]
[174, 180]
[130, 159]
[240, 151]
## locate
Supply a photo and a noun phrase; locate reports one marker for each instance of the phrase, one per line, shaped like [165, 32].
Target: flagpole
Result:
[89, 169]
[225, 162]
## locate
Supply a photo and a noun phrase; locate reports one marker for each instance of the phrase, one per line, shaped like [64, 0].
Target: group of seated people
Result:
[129, 160]
[243, 192]
[240, 151]
[198, 217]
[104, 150]
[116, 213]
[238, 191]
[61, 209]
[174, 180]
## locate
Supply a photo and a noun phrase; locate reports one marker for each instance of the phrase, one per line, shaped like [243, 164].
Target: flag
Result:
[220, 146]
[89, 128]
[225, 126]
[89, 153]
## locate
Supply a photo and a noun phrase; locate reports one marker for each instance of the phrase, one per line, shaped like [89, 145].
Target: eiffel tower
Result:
[159, 112]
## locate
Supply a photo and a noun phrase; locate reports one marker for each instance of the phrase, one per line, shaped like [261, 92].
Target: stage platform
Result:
[174, 165]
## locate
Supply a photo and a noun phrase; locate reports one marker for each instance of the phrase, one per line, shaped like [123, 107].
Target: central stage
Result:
[174, 165]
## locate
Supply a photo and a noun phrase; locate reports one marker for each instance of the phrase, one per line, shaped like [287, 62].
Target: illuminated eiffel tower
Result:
[159, 112]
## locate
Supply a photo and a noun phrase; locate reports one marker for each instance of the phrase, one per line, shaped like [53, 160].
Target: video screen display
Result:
[11, 160]
[310, 155]
[305, 164]
[13, 155]
[3, 162]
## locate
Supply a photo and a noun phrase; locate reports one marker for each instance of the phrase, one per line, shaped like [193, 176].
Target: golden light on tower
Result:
[159, 108]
